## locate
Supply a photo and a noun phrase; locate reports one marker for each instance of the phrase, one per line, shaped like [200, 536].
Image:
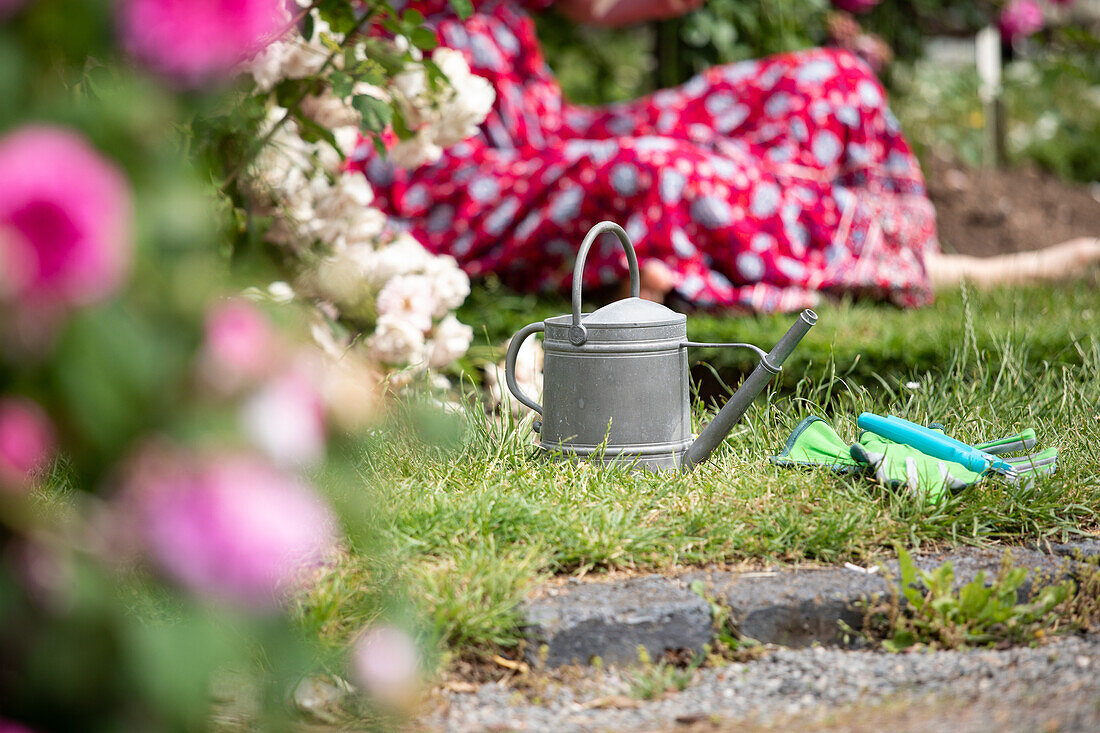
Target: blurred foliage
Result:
[731, 30]
[1052, 105]
[93, 637]
[598, 65]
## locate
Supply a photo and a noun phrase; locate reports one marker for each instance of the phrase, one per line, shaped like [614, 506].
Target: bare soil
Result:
[987, 212]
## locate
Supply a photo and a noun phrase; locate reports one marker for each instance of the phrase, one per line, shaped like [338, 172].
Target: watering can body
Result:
[616, 381]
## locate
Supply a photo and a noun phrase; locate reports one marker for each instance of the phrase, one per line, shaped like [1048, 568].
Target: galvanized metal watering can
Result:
[615, 381]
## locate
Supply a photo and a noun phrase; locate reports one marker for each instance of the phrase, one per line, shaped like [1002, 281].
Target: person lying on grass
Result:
[757, 185]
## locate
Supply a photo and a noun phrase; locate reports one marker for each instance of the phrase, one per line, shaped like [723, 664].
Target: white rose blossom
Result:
[396, 341]
[329, 111]
[343, 278]
[364, 273]
[450, 284]
[466, 104]
[410, 298]
[420, 149]
[450, 340]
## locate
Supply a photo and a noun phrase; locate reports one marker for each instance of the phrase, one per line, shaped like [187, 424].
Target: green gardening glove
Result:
[901, 466]
[815, 443]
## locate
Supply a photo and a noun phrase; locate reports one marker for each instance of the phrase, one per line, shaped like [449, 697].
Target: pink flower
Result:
[6, 726]
[856, 6]
[231, 527]
[26, 442]
[8, 7]
[197, 40]
[286, 420]
[1020, 19]
[64, 219]
[240, 343]
[385, 662]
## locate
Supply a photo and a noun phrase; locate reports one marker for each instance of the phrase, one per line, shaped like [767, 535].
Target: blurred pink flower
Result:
[1020, 19]
[26, 442]
[195, 41]
[286, 420]
[230, 527]
[6, 726]
[385, 663]
[64, 219]
[240, 343]
[7, 7]
[856, 6]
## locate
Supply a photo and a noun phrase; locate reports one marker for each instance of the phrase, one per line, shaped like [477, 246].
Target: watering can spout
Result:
[750, 389]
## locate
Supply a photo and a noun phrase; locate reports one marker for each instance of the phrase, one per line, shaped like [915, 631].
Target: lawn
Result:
[470, 520]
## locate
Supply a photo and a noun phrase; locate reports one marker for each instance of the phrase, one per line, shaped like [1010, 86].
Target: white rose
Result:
[343, 214]
[409, 298]
[362, 87]
[329, 111]
[364, 227]
[343, 279]
[418, 150]
[410, 87]
[266, 67]
[347, 139]
[280, 292]
[396, 341]
[467, 108]
[344, 198]
[450, 340]
[449, 283]
[452, 63]
[305, 58]
[405, 255]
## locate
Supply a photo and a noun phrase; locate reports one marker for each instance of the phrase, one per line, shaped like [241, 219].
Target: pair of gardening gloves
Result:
[897, 466]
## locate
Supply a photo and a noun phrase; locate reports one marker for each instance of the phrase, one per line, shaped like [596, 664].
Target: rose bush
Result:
[199, 308]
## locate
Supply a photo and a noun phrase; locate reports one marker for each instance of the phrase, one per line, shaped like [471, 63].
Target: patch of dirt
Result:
[988, 212]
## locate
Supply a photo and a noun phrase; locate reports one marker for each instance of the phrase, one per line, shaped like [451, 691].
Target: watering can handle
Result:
[577, 332]
[510, 365]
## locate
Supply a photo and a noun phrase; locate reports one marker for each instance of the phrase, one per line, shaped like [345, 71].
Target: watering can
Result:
[615, 381]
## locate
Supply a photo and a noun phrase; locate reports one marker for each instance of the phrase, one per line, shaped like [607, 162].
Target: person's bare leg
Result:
[1053, 263]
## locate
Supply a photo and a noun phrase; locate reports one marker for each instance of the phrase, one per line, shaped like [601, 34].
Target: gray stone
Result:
[1080, 549]
[793, 607]
[610, 620]
[797, 607]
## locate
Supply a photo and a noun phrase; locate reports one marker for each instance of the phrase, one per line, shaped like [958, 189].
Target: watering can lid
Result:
[633, 312]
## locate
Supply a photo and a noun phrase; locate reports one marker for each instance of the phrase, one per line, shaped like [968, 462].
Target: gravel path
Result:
[1051, 688]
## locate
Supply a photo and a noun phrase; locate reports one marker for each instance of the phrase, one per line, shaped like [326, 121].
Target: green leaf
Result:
[973, 598]
[307, 27]
[902, 640]
[290, 90]
[423, 38]
[341, 84]
[376, 113]
[412, 18]
[330, 43]
[463, 8]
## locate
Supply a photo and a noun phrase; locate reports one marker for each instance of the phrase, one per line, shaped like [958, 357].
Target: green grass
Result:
[474, 527]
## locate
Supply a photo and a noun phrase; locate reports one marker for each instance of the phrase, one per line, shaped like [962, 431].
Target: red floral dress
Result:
[760, 184]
